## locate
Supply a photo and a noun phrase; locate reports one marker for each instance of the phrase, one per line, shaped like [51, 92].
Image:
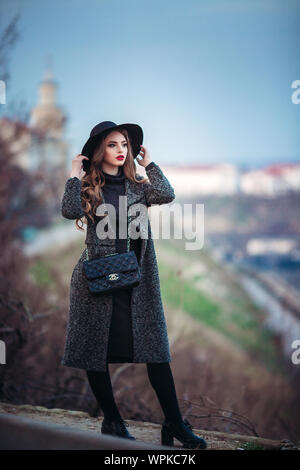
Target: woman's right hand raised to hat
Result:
[77, 167]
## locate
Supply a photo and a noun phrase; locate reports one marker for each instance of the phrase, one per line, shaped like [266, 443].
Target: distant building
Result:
[17, 137]
[228, 179]
[39, 146]
[259, 246]
[214, 179]
[48, 120]
[40, 142]
[272, 180]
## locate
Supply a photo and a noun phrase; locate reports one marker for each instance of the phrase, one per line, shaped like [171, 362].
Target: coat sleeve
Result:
[159, 190]
[71, 205]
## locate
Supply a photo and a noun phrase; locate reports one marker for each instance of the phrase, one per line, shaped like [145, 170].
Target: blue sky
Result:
[208, 81]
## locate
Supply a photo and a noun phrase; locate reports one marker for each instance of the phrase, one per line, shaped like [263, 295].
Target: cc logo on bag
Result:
[113, 277]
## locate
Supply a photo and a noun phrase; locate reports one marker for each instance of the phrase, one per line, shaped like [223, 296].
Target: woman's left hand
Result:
[145, 160]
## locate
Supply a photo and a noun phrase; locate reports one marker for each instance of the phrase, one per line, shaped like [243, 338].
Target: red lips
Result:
[119, 157]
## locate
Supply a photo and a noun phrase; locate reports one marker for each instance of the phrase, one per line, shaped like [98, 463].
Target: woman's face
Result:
[115, 144]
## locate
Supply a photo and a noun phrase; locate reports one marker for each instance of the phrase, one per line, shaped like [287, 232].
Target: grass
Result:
[179, 293]
[62, 260]
[40, 274]
[254, 446]
[235, 316]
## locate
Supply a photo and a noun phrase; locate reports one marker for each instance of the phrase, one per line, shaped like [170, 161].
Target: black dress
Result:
[120, 344]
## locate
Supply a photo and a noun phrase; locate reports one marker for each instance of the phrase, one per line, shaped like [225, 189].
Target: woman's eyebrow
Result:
[115, 142]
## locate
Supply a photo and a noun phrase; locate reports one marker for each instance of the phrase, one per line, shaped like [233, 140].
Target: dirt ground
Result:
[142, 431]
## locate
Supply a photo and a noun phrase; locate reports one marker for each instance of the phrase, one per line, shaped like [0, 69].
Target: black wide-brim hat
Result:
[135, 133]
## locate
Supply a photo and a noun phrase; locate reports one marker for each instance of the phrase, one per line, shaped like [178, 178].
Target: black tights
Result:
[161, 379]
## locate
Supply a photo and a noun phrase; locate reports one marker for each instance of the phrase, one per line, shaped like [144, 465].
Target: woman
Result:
[126, 326]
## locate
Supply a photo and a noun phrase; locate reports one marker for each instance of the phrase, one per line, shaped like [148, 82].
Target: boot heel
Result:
[166, 438]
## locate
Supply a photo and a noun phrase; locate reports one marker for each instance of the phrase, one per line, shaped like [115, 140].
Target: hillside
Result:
[228, 369]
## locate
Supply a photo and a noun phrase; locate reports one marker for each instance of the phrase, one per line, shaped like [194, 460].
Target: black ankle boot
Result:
[182, 432]
[116, 428]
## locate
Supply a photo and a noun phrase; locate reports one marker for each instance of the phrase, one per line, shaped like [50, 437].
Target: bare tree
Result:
[22, 197]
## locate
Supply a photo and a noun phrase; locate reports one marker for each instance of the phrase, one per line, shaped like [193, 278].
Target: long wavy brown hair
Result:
[94, 179]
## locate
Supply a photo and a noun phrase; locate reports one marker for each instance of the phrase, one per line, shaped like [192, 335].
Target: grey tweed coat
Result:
[89, 315]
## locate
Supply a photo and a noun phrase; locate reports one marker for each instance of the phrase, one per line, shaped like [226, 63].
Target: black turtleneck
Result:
[113, 188]
[120, 346]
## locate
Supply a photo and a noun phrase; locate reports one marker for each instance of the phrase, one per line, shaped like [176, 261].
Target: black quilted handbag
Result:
[111, 273]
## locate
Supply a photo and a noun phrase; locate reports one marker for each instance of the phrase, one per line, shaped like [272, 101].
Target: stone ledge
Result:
[143, 431]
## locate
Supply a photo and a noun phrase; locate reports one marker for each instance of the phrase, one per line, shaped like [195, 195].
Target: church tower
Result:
[46, 116]
[47, 123]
